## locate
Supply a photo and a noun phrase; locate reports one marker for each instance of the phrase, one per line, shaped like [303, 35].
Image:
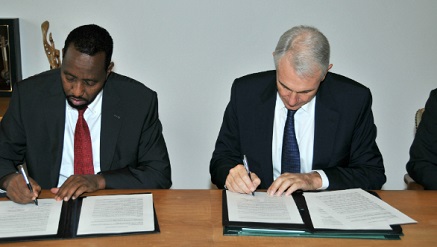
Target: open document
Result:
[17, 220]
[352, 213]
[262, 208]
[352, 209]
[116, 214]
[85, 216]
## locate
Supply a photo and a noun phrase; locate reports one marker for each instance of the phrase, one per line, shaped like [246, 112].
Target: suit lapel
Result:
[326, 120]
[111, 123]
[54, 113]
[267, 109]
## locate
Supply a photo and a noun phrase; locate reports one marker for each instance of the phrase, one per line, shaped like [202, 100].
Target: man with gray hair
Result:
[299, 127]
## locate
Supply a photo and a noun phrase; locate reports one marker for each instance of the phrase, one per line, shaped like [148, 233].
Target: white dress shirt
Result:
[93, 116]
[304, 128]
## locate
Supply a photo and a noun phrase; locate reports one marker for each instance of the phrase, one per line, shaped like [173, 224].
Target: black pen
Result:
[246, 165]
[23, 172]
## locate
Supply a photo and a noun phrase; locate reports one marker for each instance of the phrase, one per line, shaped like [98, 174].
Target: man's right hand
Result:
[17, 190]
[238, 180]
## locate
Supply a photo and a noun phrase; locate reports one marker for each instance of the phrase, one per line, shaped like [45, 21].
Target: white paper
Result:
[19, 220]
[352, 209]
[262, 208]
[116, 214]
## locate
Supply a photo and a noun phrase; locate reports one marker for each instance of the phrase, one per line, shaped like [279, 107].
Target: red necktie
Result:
[83, 152]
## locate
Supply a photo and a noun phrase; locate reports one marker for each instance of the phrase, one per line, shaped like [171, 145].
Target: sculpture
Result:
[4, 52]
[51, 52]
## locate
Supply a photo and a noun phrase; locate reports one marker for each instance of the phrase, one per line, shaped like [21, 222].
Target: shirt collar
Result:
[306, 108]
[95, 107]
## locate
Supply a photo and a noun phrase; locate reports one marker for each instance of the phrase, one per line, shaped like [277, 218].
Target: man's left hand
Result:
[290, 182]
[76, 185]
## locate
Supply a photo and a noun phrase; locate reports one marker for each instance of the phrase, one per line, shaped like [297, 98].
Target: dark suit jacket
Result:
[133, 152]
[344, 138]
[422, 165]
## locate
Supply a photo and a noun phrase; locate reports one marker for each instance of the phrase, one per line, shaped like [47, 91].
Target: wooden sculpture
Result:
[5, 71]
[51, 52]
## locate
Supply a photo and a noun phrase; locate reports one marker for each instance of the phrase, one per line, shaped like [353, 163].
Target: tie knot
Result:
[291, 113]
[81, 111]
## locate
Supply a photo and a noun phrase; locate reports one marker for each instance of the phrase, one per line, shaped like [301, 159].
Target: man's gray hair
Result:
[309, 50]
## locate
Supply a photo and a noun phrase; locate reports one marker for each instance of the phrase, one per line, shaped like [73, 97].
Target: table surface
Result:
[193, 218]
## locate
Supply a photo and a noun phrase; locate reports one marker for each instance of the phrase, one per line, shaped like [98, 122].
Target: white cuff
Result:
[325, 180]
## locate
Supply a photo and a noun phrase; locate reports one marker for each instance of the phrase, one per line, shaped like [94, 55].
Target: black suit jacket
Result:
[344, 138]
[133, 152]
[422, 165]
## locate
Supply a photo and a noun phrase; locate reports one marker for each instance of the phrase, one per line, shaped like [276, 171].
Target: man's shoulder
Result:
[43, 77]
[342, 83]
[126, 86]
[259, 76]
[256, 81]
[41, 83]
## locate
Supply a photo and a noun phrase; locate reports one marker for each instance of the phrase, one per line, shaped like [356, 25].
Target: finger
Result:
[274, 186]
[290, 188]
[18, 191]
[79, 191]
[67, 189]
[231, 185]
[256, 181]
[36, 189]
[290, 183]
[241, 179]
[75, 186]
[54, 190]
[280, 184]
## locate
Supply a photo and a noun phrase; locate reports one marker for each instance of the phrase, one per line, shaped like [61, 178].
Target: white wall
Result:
[191, 51]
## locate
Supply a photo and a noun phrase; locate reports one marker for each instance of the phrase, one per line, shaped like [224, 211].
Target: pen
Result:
[246, 165]
[23, 172]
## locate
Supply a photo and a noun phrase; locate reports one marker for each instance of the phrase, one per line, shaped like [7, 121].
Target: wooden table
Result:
[193, 218]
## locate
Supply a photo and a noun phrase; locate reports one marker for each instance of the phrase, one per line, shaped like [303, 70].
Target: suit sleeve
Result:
[361, 164]
[422, 165]
[227, 148]
[12, 137]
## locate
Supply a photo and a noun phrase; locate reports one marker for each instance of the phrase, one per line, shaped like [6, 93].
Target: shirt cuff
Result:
[325, 180]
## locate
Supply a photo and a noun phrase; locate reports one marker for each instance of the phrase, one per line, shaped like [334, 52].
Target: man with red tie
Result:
[82, 127]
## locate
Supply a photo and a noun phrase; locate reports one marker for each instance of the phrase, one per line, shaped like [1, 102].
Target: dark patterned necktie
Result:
[83, 152]
[290, 150]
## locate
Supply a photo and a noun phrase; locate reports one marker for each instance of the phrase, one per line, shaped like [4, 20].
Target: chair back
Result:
[411, 184]
[418, 117]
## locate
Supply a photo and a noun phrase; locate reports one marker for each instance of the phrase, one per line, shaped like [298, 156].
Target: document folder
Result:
[70, 217]
[235, 228]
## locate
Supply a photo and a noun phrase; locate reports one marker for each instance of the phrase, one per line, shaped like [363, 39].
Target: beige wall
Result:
[190, 52]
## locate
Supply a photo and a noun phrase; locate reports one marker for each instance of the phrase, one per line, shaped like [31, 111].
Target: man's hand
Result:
[76, 185]
[17, 190]
[238, 180]
[290, 182]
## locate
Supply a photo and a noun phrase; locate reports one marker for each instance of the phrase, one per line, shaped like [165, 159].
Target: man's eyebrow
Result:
[68, 73]
[305, 91]
[87, 79]
[283, 85]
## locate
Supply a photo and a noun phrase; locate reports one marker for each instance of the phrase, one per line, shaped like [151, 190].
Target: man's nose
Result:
[77, 88]
[293, 99]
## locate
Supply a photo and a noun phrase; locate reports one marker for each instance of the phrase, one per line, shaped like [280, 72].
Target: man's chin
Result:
[78, 106]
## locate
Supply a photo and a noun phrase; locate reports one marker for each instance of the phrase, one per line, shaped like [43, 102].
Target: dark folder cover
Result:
[68, 225]
[300, 230]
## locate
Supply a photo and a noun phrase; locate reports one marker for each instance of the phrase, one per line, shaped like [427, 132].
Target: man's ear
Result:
[329, 67]
[109, 70]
